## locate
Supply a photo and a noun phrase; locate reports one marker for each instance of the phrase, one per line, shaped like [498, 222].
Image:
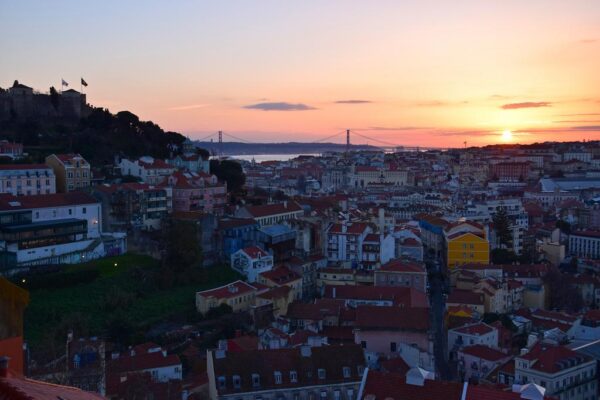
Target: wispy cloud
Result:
[589, 121]
[578, 115]
[279, 106]
[189, 107]
[396, 128]
[588, 41]
[526, 104]
[594, 128]
[353, 101]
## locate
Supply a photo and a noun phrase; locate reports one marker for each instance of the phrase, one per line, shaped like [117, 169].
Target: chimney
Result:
[4, 366]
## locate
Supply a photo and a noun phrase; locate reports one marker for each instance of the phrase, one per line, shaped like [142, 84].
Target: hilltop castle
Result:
[21, 102]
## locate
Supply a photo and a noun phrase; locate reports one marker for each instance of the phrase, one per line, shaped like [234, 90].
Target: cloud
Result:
[588, 41]
[576, 121]
[594, 128]
[279, 106]
[190, 107]
[396, 128]
[353, 101]
[526, 104]
[578, 115]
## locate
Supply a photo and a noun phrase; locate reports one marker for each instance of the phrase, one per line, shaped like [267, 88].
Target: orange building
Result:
[13, 301]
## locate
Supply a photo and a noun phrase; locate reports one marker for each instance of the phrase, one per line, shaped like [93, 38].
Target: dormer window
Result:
[321, 373]
[346, 371]
[255, 380]
[221, 381]
[293, 376]
[278, 379]
[360, 369]
[237, 382]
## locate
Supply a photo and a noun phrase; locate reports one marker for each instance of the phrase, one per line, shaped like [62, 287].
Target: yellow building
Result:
[466, 243]
[239, 295]
[335, 276]
[72, 172]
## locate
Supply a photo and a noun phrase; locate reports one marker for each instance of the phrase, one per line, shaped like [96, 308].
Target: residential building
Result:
[377, 250]
[271, 214]
[335, 276]
[149, 169]
[239, 295]
[27, 179]
[585, 244]
[282, 276]
[326, 372]
[11, 150]
[54, 229]
[72, 172]
[478, 361]
[477, 333]
[128, 206]
[191, 162]
[251, 261]
[345, 242]
[466, 243]
[382, 296]
[13, 301]
[400, 272]
[197, 191]
[381, 330]
[564, 373]
[234, 234]
[419, 383]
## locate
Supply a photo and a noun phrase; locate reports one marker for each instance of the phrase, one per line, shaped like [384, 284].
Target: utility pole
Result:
[220, 143]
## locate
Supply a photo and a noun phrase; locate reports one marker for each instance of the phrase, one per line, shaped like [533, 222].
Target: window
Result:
[363, 344]
[237, 382]
[221, 380]
[84, 210]
[278, 379]
[255, 380]
[350, 394]
[393, 347]
[321, 373]
[346, 371]
[360, 370]
[293, 376]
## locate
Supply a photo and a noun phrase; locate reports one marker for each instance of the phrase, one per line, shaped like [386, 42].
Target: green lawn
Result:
[51, 308]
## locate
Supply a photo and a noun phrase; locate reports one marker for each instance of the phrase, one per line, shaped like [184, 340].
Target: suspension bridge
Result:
[367, 140]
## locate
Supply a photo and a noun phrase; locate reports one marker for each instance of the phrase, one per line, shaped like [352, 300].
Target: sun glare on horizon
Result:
[507, 135]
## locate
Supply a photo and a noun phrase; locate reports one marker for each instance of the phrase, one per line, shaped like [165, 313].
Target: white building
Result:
[251, 261]
[585, 244]
[564, 373]
[27, 179]
[150, 170]
[345, 242]
[478, 333]
[60, 228]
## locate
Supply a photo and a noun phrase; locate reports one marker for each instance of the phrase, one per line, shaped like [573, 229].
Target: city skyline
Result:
[416, 73]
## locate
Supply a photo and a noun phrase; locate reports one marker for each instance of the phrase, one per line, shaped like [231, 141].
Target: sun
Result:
[507, 135]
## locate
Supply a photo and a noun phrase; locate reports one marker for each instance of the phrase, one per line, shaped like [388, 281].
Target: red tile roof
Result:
[461, 296]
[273, 209]
[26, 389]
[355, 228]
[142, 360]
[281, 275]
[475, 329]
[398, 295]
[399, 265]
[230, 290]
[9, 202]
[550, 358]
[392, 318]
[393, 386]
[255, 252]
[484, 352]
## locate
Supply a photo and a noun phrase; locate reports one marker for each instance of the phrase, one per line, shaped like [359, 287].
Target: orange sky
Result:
[432, 73]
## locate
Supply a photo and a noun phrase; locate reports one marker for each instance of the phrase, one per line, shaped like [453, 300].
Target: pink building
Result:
[402, 273]
[197, 191]
[382, 330]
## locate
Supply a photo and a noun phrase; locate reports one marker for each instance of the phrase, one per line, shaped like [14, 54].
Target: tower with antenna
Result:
[347, 141]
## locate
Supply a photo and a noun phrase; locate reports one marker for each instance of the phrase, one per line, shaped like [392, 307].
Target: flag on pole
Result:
[64, 83]
[83, 82]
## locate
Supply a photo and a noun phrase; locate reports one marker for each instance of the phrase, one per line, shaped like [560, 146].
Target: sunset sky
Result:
[417, 72]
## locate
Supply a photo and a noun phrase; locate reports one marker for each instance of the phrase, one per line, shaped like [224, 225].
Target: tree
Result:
[502, 227]
[563, 295]
[502, 256]
[54, 97]
[230, 172]
[564, 226]
[182, 246]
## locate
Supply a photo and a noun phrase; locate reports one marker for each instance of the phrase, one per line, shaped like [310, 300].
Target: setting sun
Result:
[507, 135]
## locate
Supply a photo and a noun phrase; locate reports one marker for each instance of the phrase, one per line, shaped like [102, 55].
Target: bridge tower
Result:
[220, 143]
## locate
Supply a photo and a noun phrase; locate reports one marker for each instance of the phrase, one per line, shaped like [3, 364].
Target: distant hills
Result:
[240, 148]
